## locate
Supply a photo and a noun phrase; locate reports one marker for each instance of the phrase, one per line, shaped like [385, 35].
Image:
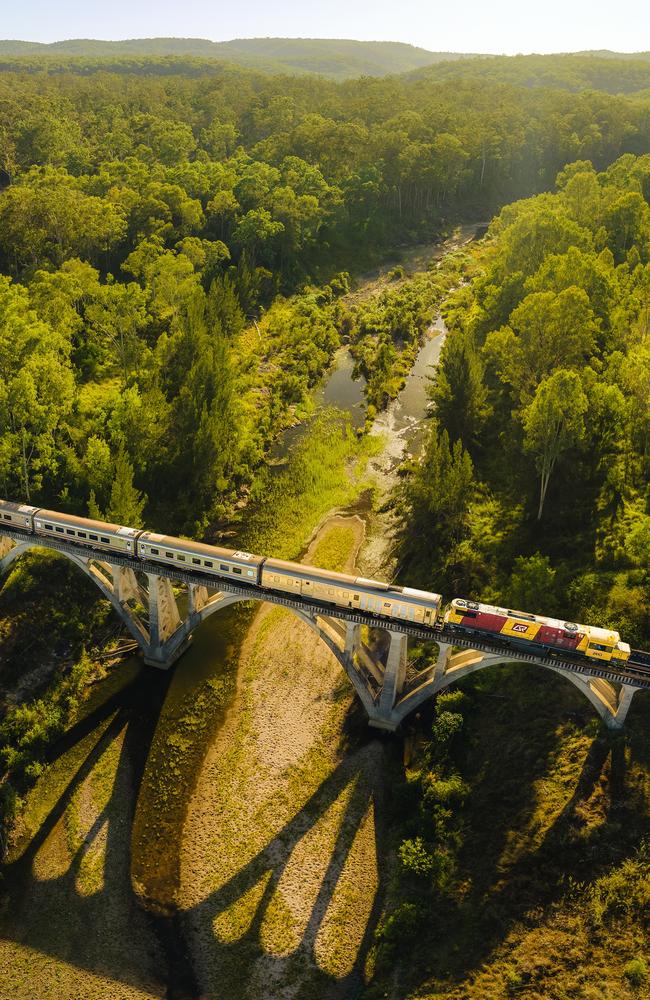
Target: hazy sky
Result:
[459, 25]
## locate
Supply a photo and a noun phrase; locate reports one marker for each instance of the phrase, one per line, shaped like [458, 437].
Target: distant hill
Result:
[608, 71]
[335, 58]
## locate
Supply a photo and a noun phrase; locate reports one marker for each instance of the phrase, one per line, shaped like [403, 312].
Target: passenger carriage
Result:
[85, 531]
[356, 593]
[186, 554]
[17, 515]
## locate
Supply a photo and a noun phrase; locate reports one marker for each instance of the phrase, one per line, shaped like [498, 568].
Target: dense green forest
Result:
[146, 220]
[533, 492]
[534, 485]
[337, 58]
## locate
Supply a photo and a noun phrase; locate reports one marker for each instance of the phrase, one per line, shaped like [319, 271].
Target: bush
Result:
[636, 972]
[415, 858]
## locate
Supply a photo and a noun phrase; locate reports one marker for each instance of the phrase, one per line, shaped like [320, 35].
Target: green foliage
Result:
[533, 584]
[636, 972]
[126, 503]
[415, 858]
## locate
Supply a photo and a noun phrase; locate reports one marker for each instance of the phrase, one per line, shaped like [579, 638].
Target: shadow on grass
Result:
[99, 933]
[247, 956]
[93, 931]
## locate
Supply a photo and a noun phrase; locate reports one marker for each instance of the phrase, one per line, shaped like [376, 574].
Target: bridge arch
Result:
[324, 628]
[90, 566]
[165, 636]
[610, 704]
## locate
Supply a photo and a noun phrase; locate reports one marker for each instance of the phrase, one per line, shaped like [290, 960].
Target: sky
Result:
[499, 26]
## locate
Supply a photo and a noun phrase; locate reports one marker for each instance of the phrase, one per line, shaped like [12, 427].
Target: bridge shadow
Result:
[68, 896]
[100, 928]
[248, 955]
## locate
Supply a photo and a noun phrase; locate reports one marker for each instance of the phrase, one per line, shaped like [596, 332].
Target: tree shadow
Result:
[600, 825]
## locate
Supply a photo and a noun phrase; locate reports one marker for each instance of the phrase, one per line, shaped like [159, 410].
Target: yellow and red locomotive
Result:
[522, 629]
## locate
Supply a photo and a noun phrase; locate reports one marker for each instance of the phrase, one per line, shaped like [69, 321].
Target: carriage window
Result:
[330, 590]
[106, 541]
[60, 530]
[82, 534]
[155, 552]
[598, 645]
[180, 558]
[207, 562]
[197, 562]
[237, 569]
[7, 517]
[224, 568]
[169, 555]
[386, 604]
[249, 572]
[95, 538]
[49, 527]
[69, 531]
[356, 597]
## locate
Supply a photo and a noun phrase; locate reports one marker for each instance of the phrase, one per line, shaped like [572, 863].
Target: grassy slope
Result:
[324, 472]
[280, 874]
[555, 816]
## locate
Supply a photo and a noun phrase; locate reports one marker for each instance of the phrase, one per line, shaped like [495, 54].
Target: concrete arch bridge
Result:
[162, 606]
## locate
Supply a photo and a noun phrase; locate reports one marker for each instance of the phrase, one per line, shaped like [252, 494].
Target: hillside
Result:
[612, 72]
[336, 58]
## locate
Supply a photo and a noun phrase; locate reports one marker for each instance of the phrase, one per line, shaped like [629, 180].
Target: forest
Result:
[182, 245]
[146, 219]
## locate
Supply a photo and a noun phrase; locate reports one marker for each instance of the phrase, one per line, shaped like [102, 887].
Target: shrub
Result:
[636, 972]
[415, 858]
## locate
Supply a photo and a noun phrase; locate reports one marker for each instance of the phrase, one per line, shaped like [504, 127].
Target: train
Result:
[462, 617]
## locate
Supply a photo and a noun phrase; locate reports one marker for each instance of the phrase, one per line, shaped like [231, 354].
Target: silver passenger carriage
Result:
[200, 557]
[85, 531]
[356, 593]
[18, 515]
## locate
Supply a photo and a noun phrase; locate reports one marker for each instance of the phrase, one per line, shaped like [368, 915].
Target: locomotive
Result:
[463, 617]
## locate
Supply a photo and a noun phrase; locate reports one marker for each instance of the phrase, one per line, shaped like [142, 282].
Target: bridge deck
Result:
[636, 674]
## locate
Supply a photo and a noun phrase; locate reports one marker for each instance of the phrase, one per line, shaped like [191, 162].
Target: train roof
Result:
[309, 572]
[200, 548]
[345, 579]
[17, 508]
[593, 631]
[86, 523]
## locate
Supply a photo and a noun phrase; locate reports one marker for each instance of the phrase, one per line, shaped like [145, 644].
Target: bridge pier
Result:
[165, 645]
[393, 682]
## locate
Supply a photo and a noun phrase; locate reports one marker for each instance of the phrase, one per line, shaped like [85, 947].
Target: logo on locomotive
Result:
[519, 628]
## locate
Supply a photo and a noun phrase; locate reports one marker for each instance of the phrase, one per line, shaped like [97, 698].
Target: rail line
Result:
[636, 672]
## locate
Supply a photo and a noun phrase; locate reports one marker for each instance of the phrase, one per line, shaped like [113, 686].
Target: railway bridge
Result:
[161, 606]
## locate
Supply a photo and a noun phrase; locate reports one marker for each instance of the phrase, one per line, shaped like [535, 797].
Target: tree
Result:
[553, 423]
[434, 503]
[126, 503]
[553, 330]
[532, 584]
[458, 391]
